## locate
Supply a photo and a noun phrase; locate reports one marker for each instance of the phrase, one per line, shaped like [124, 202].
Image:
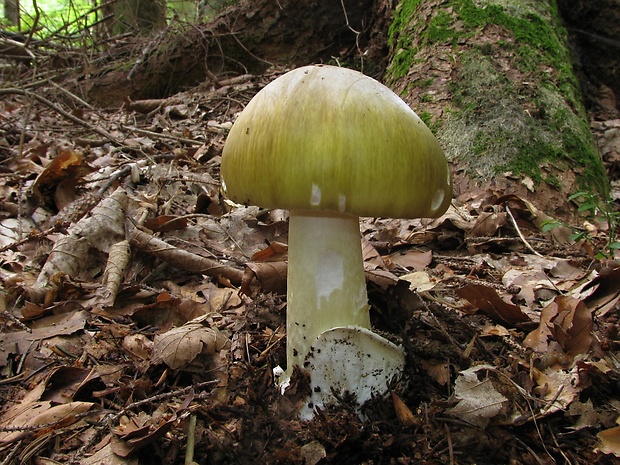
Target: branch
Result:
[64, 113]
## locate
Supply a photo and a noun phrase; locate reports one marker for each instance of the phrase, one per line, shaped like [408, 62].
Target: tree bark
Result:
[494, 80]
[135, 16]
[11, 12]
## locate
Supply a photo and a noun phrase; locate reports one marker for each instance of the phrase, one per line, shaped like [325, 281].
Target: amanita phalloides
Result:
[331, 144]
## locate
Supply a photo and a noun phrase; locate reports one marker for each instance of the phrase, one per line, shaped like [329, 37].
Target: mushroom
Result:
[330, 144]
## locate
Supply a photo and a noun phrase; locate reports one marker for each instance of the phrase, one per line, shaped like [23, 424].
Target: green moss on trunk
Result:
[495, 82]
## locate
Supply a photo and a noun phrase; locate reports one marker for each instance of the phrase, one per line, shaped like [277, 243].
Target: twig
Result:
[357, 34]
[158, 397]
[59, 110]
[162, 136]
[9, 458]
[182, 258]
[150, 48]
[514, 223]
[72, 95]
[51, 424]
[450, 448]
[191, 440]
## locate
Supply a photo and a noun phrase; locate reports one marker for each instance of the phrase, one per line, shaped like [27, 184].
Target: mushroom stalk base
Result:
[328, 323]
[326, 282]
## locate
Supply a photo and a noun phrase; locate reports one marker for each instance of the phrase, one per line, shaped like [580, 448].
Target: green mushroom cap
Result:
[328, 138]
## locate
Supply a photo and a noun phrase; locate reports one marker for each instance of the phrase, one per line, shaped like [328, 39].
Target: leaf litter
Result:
[137, 301]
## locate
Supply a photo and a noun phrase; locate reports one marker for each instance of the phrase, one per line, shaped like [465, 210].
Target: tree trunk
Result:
[11, 12]
[494, 80]
[135, 16]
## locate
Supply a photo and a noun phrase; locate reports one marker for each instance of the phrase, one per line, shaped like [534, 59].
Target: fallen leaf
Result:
[479, 401]
[528, 282]
[487, 300]
[105, 225]
[276, 251]
[566, 321]
[18, 342]
[69, 256]
[43, 414]
[557, 388]
[271, 277]
[439, 371]
[411, 259]
[403, 413]
[488, 224]
[165, 223]
[419, 281]
[609, 441]
[180, 346]
[106, 456]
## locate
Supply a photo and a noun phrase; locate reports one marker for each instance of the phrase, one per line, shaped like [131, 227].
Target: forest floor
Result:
[142, 314]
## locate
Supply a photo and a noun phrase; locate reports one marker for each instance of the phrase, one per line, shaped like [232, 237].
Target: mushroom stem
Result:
[326, 282]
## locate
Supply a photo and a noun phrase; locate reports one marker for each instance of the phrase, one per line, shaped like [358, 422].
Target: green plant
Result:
[599, 210]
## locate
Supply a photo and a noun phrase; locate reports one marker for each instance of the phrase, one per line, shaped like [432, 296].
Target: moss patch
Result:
[515, 103]
[402, 44]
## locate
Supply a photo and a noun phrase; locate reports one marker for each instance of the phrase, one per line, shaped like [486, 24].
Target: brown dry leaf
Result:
[403, 413]
[479, 401]
[139, 438]
[180, 346]
[529, 283]
[312, 453]
[20, 341]
[106, 223]
[45, 415]
[275, 252]
[165, 223]
[220, 299]
[573, 326]
[457, 216]
[567, 270]
[139, 345]
[118, 259]
[411, 259]
[269, 267]
[439, 371]
[494, 331]
[374, 267]
[13, 229]
[66, 383]
[606, 295]
[106, 456]
[609, 441]
[487, 300]
[558, 388]
[372, 258]
[271, 277]
[419, 281]
[68, 164]
[488, 223]
[167, 312]
[566, 321]
[587, 416]
[182, 258]
[69, 256]
[561, 234]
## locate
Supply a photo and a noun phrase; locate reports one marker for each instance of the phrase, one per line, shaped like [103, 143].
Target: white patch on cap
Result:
[315, 198]
[438, 199]
[342, 203]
